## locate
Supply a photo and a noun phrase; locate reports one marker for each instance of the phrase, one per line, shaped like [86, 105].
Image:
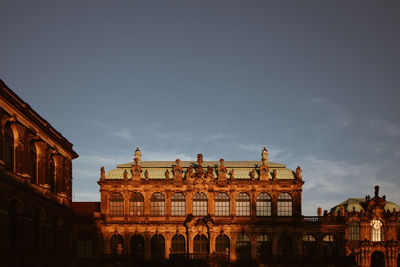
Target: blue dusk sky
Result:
[317, 82]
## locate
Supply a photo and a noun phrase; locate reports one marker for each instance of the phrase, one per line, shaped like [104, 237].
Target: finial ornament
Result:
[102, 173]
[319, 211]
[376, 191]
[138, 154]
[298, 173]
[199, 159]
[264, 154]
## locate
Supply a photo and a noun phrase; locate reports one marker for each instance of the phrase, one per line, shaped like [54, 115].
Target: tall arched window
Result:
[243, 205]
[243, 247]
[178, 205]
[264, 246]
[137, 246]
[117, 244]
[376, 230]
[85, 245]
[354, 231]
[309, 245]
[200, 204]
[52, 173]
[222, 244]
[178, 244]
[200, 244]
[157, 204]
[157, 247]
[263, 206]
[8, 148]
[285, 204]
[285, 245]
[328, 246]
[116, 205]
[136, 205]
[33, 163]
[222, 205]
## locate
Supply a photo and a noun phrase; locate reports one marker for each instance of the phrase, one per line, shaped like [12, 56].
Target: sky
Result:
[316, 82]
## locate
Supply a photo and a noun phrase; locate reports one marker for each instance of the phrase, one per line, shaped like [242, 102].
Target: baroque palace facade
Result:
[172, 212]
[230, 211]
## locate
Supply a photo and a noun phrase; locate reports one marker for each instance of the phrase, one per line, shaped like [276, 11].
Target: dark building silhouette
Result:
[35, 187]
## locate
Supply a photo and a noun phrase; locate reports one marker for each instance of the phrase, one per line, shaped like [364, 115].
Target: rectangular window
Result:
[157, 208]
[284, 208]
[242, 208]
[222, 208]
[263, 208]
[178, 208]
[200, 208]
[136, 208]
[116, 208]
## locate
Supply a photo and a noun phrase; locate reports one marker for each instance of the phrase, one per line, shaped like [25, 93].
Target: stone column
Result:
[190, 240]
[233, 246]
[213, 235]
[253, 203]
[253, 245]
[147, 246]
[211, 203]
[168, 238]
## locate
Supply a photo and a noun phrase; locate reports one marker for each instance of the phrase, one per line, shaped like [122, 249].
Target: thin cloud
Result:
[123, 133]
[316, 100]
[385, 127]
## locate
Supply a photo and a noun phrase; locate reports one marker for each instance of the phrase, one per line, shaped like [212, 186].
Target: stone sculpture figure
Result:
[102, 173]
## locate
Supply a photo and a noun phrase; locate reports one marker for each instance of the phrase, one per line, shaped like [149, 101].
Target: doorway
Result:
[378, 259]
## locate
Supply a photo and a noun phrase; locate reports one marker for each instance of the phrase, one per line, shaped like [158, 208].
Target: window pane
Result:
[178, 244]
[178, 205]
[243, 205]
[200, 205]
[222, 205]
[136, 205]
[354, 231]
[284, 205]
[264, 246]
[222, 244]
[263, 205]
[157, 204]
[376, 230]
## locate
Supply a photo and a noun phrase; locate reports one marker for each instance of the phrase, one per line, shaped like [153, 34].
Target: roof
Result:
[358, 205]
[242, 169]
[85, 209]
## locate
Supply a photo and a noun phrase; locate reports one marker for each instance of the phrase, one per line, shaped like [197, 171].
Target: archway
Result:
[378, 259]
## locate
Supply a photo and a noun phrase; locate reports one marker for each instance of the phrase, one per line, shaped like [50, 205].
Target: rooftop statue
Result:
[138, 154]
[102, 173]
[298, 173]
[264, 154]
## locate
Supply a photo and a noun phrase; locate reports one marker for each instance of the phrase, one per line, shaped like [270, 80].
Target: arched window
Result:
[51, 174]
[116, 205]
[137, 246]
[309, 246]
[328, 246]
[157, 247]
[200, 204]
[376, 230]
[117, 244]
[222, 245]
[136, 205]
[263, 206]
[85, 245]
[243, 205]
[264, 246]
[285, 204]
[200, 244]
[285, 245]
[178, 244]
[33, 163]
[157, 204]
[354, 231]
[8, 149]
[222, 205]
[178, 205]
[243, 247]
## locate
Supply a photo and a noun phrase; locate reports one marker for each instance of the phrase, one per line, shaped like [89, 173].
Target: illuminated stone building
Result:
[230, 211]
[35, 187]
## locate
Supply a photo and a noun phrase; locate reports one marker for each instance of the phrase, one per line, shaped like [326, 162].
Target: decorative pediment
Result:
[136, 171]
[178, 171]
[264, 170]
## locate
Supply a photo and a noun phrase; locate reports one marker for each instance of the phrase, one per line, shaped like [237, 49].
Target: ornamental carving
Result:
[221, 171]
[264, 170]
[136, 171]
[177, 169]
